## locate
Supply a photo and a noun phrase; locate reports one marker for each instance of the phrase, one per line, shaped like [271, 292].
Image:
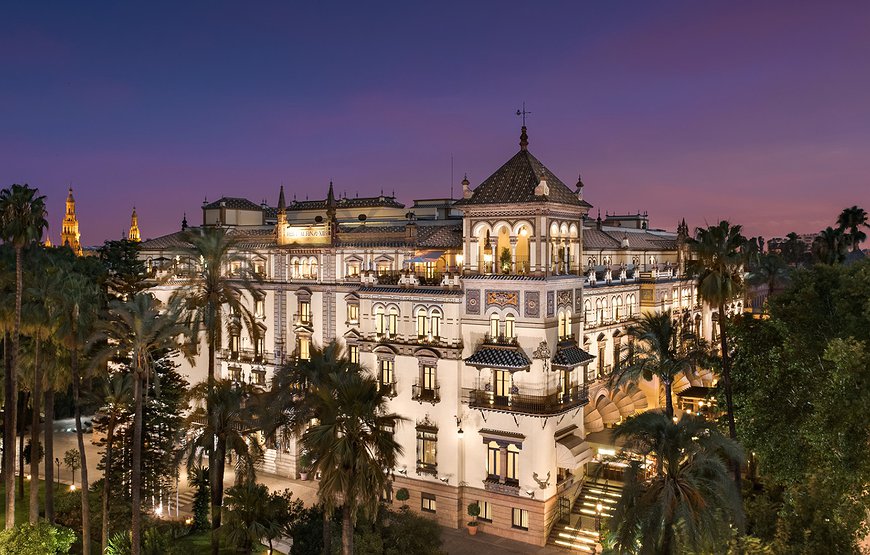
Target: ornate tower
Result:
[281, 223]
[133, 235]
[69, 235]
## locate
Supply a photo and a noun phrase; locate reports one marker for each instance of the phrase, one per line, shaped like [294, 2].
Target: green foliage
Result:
[410, 533]
[155, 541]
[198, 478]
[40, 452]
[402, 495]
[126, 271]
[688, 501]
[72, 459]
[811, 356]
[504, 259]
[253, 514]
[38, 539]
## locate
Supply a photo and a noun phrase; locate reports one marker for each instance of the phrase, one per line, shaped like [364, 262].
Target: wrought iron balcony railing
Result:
[529, 401]
[427, 394]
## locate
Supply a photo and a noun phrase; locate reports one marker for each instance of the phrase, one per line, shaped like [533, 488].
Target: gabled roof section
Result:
[235, 203]
[516, 181]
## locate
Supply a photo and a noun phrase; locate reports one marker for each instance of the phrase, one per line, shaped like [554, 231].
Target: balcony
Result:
[530, 401]
[388, 389]
[251, 356]
[427, 468]
[427, 394]
[508, 486]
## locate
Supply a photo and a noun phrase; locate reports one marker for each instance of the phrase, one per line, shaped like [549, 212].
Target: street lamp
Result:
[598, 508]
[57, 462]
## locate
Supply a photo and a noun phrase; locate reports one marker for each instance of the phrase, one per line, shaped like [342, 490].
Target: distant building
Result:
[133, 234]
[70, 236]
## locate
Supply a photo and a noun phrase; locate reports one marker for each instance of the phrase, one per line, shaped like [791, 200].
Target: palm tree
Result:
[208, 294]
[718, 268]
[117, 390]
[137, 328]
[80, 300]
[830, 246]
[686, 501]
[793, 249]
[350, 444]
[22, 221]
[660, 351]
[227, 426]
[288, 409]
[770, 270]
[852, 219]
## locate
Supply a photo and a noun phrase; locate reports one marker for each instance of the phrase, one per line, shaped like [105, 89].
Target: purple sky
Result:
[758, 112]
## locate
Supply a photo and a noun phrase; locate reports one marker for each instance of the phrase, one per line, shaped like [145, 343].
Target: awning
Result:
[569, 355]
[427, 256]
[572, 451]
[509, 358]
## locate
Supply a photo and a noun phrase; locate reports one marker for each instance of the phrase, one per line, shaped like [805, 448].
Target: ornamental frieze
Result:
[565, 298]
[501, 299]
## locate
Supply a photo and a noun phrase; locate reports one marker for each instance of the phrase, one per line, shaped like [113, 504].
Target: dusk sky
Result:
[758, 112]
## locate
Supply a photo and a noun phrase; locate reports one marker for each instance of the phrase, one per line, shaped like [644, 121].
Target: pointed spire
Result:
[598, 220]
[330, 196]
[282, 205]
[524, 139]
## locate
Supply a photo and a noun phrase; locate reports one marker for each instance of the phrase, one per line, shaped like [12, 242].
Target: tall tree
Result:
[771, 270]
[22, 221]
[718, 268]
[117, 391]
[211, 292]
[793, 250]
[686, 502]
[658, 350]
[851, 220]
[350, 444]
[137, 328]
[830, 246]
[81, 302]
[229, 425]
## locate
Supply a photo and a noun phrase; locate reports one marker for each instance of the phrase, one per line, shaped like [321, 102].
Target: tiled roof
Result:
[357, 202]
[506, 277]
[596, 239]
[570, 356]
[171, 241]
[439, 236]
[415, 290]
[235, 203]
[515, 182]
[499, 357]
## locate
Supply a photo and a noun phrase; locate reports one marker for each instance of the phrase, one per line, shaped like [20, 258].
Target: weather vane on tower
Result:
[523, 113]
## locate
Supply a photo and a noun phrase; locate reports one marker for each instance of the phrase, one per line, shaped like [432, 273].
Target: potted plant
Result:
[402, 495]
[304, 465]
[473, 512]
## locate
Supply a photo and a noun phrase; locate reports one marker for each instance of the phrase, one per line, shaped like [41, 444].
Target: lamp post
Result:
[598, 508]
[57, 474]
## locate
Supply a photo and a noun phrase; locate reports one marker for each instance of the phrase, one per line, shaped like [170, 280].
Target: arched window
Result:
[617, 307]
[493, 326]
[509, 331]
[587, 309]
[564, 324]
[435, 325]
[512, 472]
[294, 268]
[393, 323]
[493, 460]
[421, 323]
[313, 269]
[380, 321]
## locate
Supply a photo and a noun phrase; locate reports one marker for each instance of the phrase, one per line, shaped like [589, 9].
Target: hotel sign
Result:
[305, 235]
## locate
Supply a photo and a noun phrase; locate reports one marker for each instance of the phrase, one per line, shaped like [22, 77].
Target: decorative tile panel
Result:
[551, 304]
[472, 301]
[578, 300]
[565, 298]
[500, 298]
[532, 304]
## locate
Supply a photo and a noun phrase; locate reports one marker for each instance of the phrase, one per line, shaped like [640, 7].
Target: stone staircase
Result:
[277, 464]
[580, 531]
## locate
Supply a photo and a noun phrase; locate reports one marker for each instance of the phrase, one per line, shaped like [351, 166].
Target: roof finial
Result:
[524, 137]
[184, 222]
[282, 205]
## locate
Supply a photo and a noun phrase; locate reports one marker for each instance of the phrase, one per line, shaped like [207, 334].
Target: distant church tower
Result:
[134, 227]
[69, 235]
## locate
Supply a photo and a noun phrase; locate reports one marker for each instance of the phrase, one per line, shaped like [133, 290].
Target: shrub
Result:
[40, 452]
[402, 495]
[39, 539]
[473, 512]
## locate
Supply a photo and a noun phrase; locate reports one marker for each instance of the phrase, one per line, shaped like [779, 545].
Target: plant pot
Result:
[472, 528]
[303, 476]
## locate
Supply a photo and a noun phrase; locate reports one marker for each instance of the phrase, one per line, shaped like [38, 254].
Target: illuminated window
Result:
[380, 321]
[353, 353]
[502, 383]
[305, 312]
[393, 322]
[427, 451]
[493, 460]
[304, 347]
[353, 313]
[513, 458]
[493, 326]
[485, 511]
[509, 331]
[386, 377]
[260, 308]
[520, 519]
[435, 325]
[421, 323]
[427, 504]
